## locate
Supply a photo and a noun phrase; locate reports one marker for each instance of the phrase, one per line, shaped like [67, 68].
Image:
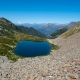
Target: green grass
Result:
[22, 36]
[8, 44]
[54, 47]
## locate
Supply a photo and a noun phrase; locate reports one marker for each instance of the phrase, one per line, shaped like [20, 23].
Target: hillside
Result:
[8, 28]
[72, 24]
[68, 56]
[68, 31]
[58, 33]
[72, 31]
[11, 34]
[61, 64]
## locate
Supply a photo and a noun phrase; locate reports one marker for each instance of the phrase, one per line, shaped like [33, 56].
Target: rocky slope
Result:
[61, 64]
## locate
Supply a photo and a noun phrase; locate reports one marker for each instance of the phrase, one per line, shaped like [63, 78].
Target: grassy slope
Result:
[8, 28]
[10, 35]
[54, 47]
[8, 44]
[58, 33]
[72, 31]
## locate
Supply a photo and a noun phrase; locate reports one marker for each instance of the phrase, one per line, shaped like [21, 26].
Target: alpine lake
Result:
[32, 49]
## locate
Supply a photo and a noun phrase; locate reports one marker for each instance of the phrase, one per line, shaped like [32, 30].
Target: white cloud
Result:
[19, 22]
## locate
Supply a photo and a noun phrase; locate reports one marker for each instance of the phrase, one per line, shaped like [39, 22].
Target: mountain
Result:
[8, 28]
[68, 54]
[71, 24]
[63, 29]
[72, 31]
[45, 28]
[11, 34]
[49, 28]
[34, 25]
[58, 32]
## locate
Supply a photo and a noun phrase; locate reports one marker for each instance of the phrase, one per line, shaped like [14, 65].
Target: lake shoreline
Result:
[32, 49]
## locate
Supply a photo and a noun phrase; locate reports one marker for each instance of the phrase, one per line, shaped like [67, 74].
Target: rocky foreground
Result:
[62, 64]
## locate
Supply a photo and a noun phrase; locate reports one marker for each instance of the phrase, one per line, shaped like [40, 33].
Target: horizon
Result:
[39, 11]
[39, 23]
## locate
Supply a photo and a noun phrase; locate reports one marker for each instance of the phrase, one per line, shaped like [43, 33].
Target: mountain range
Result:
[41, 30]
[49, 28]
[8, 28]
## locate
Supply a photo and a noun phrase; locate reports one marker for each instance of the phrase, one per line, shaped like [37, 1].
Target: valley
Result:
[39, 39]
[63, 62]
[11, 35]
[49, 28]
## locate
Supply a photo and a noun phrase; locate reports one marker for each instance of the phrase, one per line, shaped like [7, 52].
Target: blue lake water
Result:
[32, 49]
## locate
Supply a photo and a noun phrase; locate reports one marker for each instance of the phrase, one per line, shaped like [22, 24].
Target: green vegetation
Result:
[11, 34]
[57, 33]
[7, 28]
[8, 44]
[22, 36]
[54, 47]
[72, 31]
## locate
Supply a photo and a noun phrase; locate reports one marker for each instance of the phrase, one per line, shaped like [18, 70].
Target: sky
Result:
[40, 11]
